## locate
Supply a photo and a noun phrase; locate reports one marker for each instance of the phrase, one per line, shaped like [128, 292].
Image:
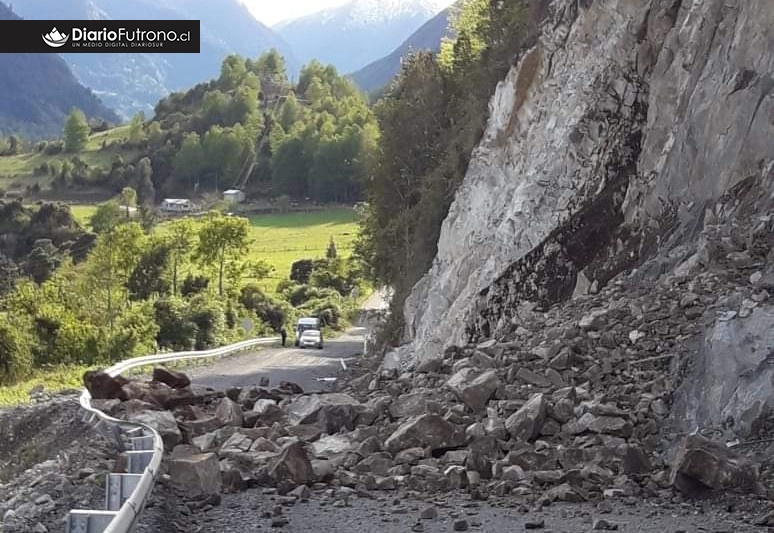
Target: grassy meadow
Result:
[280, 240]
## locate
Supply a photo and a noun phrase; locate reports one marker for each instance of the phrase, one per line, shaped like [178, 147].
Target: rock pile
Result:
[567, 403]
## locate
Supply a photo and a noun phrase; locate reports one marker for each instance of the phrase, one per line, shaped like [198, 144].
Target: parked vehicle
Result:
[311, 338]
[305, 324]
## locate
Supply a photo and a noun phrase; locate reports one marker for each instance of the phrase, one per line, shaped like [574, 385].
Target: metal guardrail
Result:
[127, 494]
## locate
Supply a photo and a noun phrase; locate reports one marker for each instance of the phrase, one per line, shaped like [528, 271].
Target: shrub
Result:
[176, 331]
[193, 285]
[54, 148]
[301, 271]
[210, 321]
[270, 311]
[15, 354]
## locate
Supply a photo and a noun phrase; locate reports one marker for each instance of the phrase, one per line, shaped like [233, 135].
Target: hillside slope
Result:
[624, 139]
[379, 73]
[359, 32]
[134, 82]
[38, 90]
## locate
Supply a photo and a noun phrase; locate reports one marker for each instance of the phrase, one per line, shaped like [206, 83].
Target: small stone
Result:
[600, 524]
[428, 513]
[535, 524]
[279, 522]
[461, 525]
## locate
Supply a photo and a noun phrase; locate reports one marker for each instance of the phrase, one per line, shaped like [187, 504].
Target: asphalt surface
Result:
[307, 367]
[250, 512]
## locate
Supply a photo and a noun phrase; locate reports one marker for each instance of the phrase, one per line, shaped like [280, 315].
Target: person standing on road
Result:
[284, 335]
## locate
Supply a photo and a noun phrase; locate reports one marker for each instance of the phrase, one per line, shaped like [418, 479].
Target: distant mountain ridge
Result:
[137, 81]
[37, 92]
[359, 32]
[379, 73]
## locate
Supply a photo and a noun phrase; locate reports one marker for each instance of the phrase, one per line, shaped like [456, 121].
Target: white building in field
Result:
[234, 196]
[178, 205]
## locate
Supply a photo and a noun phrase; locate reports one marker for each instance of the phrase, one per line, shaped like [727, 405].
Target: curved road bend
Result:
[303, 366]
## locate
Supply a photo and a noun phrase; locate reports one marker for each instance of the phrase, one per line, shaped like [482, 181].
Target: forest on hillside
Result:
[250, 128]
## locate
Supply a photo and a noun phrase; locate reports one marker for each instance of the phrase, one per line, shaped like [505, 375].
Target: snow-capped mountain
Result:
[359, 32]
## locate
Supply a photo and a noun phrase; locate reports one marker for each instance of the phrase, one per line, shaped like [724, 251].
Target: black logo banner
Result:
[99, 36]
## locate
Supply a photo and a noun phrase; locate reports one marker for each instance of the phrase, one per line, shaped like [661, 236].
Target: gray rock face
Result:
[738, 349]
[641, 110]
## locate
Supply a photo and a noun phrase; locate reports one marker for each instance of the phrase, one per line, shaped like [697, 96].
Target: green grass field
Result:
[280, 240]
[83, 213]
[55, 380]
[16, 172]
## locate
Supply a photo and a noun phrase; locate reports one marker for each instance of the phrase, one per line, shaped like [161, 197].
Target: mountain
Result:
[135, 82]
[379, 73]
[38, 91]
[359, 32]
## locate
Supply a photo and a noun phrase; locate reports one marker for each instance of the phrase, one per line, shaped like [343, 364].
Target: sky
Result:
[272, 11]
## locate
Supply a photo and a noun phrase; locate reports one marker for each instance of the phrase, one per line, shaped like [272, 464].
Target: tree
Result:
[179, 238]
[43, 260]
[136, 127]
[76, 131]
[331, 252]
[15, 353]
[147, 278]
[301, 271]
[146, 191]
[222, 238]
[128, 199]
[112, 261]
[106, 217]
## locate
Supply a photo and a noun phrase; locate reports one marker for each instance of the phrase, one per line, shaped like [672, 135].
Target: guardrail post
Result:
[139, 444]
[138, 461]
[82, 521]
[119, 488]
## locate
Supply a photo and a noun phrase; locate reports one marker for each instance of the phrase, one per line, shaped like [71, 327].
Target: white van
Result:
[305, 324]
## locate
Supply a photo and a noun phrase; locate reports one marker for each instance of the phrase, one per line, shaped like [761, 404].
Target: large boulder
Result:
[172, 378]
[229, 413]
[103, 386]
[526, 423]
[164, 423]
[293, 466]
[196, 474]
[702, 465]
[425, 431]
[307, 409]
[472, 388]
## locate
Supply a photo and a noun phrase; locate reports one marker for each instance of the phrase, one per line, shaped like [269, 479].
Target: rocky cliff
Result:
[609, 145]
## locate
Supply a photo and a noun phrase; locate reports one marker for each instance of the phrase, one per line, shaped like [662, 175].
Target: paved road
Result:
[284, 364]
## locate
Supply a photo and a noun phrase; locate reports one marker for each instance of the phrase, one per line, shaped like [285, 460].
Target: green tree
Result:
[222, 238]
[331, 252]
[76, 131]
[106, 217]
[128, 199]
[111, 263]
[136, 127]
[179, 238]
[147, 277]
[15, 353]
